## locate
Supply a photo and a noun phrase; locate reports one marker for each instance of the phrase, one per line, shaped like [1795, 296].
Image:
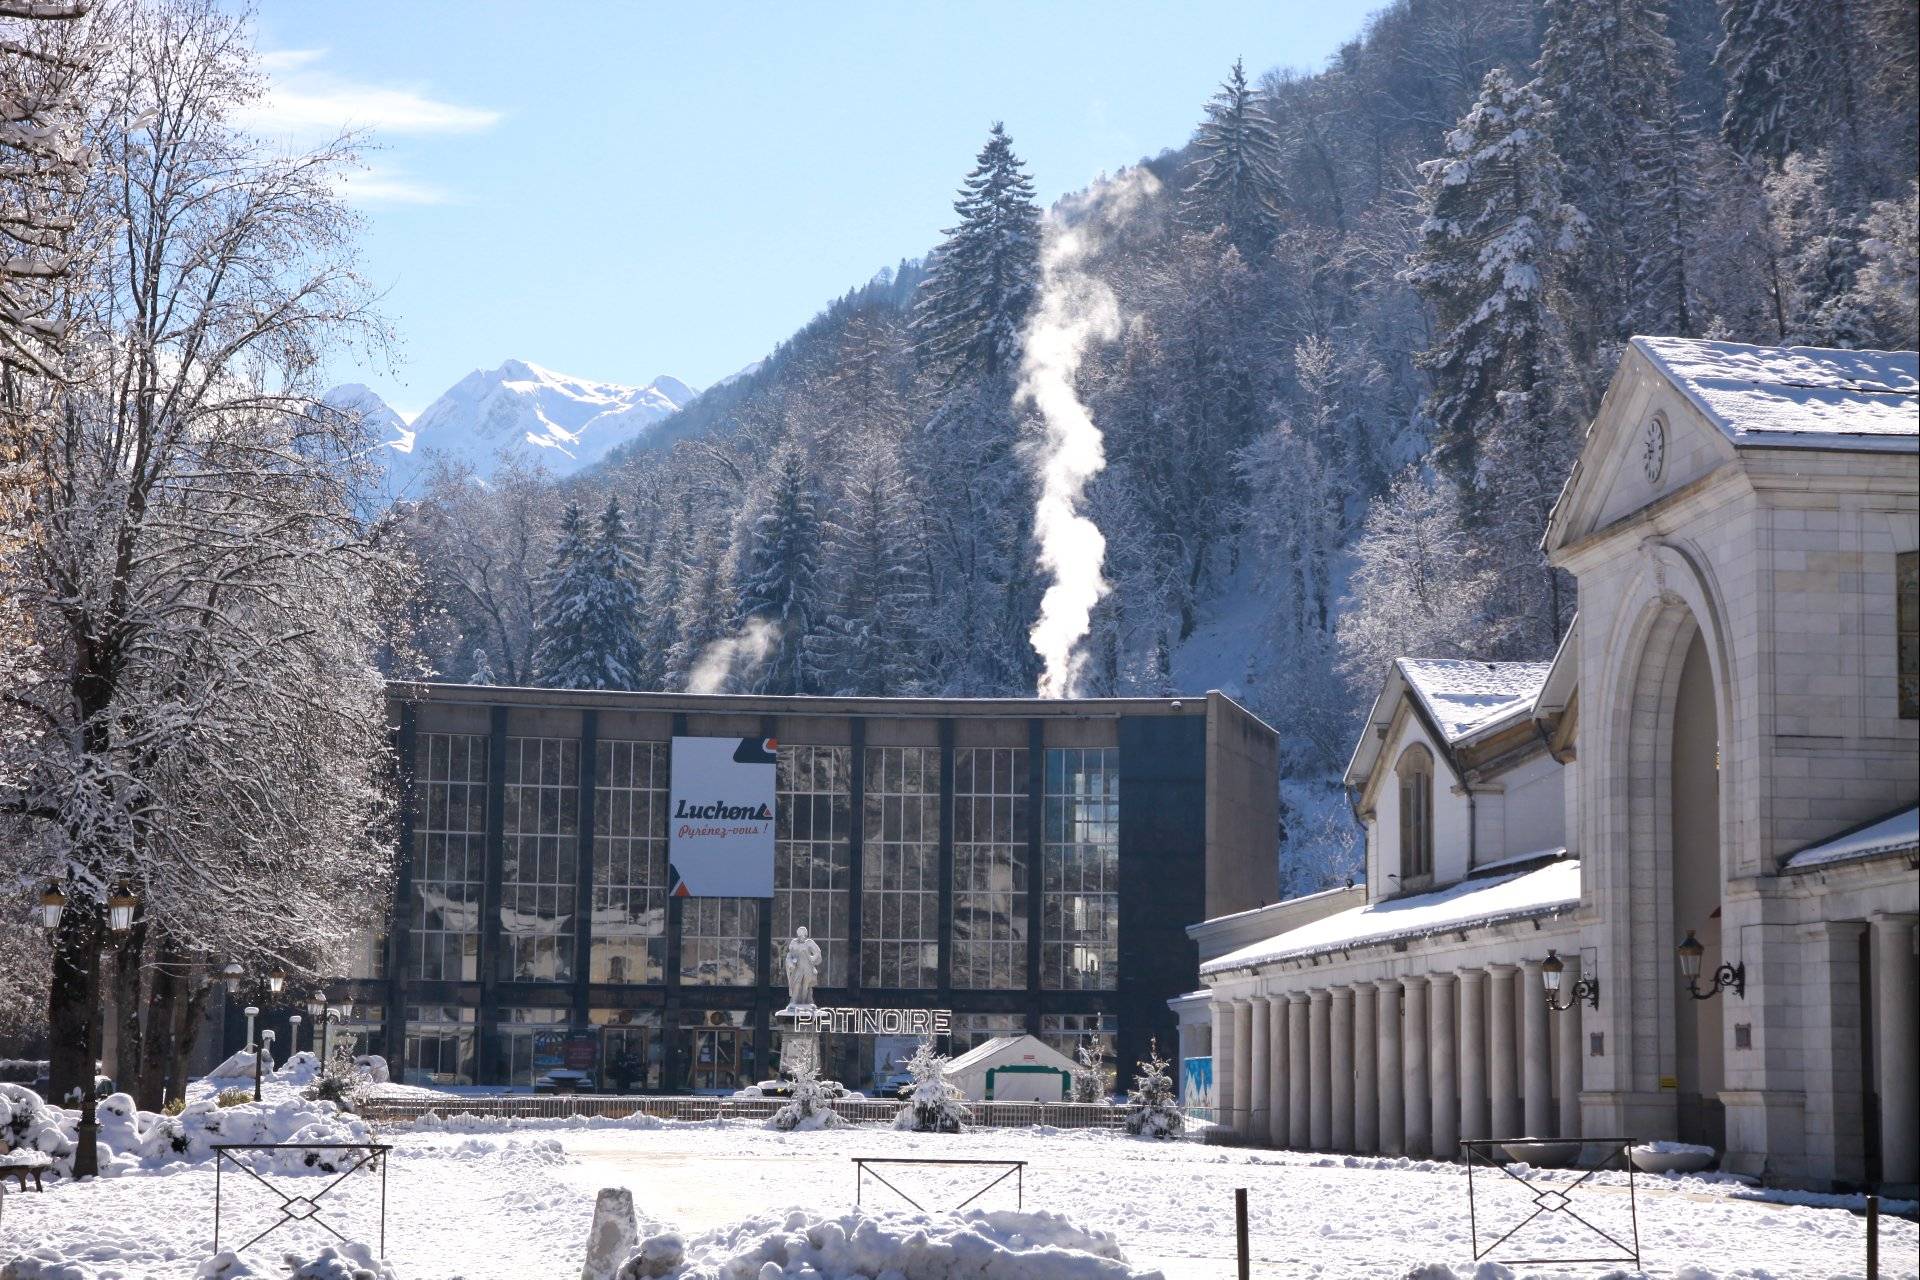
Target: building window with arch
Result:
[1415, 772]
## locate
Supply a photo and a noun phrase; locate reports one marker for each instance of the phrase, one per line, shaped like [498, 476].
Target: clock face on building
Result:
[1653, 454]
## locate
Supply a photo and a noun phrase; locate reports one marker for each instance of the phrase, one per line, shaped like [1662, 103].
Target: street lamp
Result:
[120, 910]
[1552, 969]
[276, 980]
[53, 904]
[1727, 975]
[232, 973]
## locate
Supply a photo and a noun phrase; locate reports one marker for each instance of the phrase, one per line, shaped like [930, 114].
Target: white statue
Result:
[803, 969]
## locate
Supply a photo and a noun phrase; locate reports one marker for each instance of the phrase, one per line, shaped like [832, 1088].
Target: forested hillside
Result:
[1365, 315]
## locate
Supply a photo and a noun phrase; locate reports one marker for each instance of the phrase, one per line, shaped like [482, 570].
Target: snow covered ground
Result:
[491, 1202]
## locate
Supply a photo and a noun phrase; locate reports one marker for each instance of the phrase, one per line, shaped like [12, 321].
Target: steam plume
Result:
[714, 670]
[1075, 309]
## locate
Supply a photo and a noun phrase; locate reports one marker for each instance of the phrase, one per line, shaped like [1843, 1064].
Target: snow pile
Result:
[131, 1139]
[467, 1122]
[1890, 834]
[349, 1261]
[1795, 395]
[855, 1245]
[1463, 694]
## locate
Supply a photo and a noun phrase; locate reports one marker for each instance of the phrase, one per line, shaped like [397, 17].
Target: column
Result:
[1474, 1118]
[1443, 1073]
[1340, 1031]
[1893, 1038]
[1242, 1067]
[1505, 1082]
[1366, 1071]
[1569, 1052]
[1320, 1068]
[1258, 1118]
[1393, 1116]
[1278, 1097]
[1536, 1061]
[1299, 1083]
[1417, 1125]
[1223, 1064]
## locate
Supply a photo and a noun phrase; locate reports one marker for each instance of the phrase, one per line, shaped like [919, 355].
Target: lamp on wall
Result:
[1727, 975]
[1552, 970]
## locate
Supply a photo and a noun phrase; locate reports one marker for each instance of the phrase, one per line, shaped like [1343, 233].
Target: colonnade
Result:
[1402, 1066]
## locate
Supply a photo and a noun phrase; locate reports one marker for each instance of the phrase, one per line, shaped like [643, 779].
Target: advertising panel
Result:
[720, 818]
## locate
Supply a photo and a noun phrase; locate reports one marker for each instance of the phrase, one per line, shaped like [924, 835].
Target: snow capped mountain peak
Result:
[519, 409]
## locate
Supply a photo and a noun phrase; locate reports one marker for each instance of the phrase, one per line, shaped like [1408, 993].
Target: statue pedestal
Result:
[799, 1050]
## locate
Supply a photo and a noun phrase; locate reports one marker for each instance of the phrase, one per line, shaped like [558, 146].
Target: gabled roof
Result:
[1472, 903]
[1024, 1045]
[1796, 397]
[1457, 698]
[1898, 832]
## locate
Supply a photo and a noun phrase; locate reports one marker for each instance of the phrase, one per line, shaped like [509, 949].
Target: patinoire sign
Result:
[720, 817]
[871, 1022]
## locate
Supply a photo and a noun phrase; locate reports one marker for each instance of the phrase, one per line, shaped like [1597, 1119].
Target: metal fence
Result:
[986, 1115]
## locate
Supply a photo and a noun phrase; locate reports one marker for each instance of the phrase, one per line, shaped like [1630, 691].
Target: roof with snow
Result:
[1483, 900]
[1797, 397]
[1463, 694]
[1898, 832]
[1024, 1046]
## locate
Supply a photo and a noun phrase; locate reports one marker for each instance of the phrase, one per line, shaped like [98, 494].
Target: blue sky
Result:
[619, 190]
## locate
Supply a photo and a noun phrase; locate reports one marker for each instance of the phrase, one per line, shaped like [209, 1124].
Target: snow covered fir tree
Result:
[1153, 1108]
[934, 1104]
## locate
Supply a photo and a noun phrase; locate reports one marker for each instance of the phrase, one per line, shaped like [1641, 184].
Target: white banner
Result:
[720, 817]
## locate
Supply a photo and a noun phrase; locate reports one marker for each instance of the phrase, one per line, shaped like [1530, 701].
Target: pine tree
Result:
[936, 1105]
[1494, 235]
[482, 668]
[1153, 1107]
[971, 307]
[1236, 164]
[779, 582]
[1090, 1081]
[1609, 71]
[871, 643]
[1789, 75]
[586, 634]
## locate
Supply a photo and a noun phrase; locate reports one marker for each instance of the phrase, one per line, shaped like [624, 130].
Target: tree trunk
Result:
[127, 973]
[72, 997]
[169, 967]
[186, 1029]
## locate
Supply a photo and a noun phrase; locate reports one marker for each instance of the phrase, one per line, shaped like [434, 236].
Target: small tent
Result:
[1013, 1069]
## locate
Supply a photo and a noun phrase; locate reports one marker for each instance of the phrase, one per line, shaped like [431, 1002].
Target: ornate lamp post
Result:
[1552, 970]
[1727, 975]
[121, 905]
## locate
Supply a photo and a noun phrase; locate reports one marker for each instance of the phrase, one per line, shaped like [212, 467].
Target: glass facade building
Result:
[1029, 865]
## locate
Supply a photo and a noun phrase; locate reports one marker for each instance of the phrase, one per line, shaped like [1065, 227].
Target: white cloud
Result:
[306, 100]
[306, 103]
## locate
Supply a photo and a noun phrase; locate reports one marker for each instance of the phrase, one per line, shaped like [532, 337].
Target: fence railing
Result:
[390, 1110]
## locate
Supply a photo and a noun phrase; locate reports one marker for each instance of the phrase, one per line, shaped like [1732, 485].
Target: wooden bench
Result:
[20, 1164]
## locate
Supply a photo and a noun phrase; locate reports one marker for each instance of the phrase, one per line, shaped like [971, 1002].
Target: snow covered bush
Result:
[1153, 1110]
[1090, 1081]
[27, 1123]
[807, 1107]
[936, 1106]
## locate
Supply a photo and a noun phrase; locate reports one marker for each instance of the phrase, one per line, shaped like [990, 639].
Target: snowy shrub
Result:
[935, 1105]
[233, 1097]
[339, 1082]
[27, 1123]
[1152, 1109]
[1090, 1081]
[174, 1106]
[807, 1107]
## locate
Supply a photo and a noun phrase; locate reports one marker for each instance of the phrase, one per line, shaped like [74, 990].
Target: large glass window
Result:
[1415, 772]
[532, 1043]
[990, 825]
[538, 885]
[1907, 592]
[971, 1030]
[450, 856]
[630, 863]
[1067, 1032]
[440, 1045]
[900, 868]
[1080, 870]
[813, 827]
[719, 941]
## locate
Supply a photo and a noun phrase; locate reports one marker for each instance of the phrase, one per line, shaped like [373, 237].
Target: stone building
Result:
[1721, 759]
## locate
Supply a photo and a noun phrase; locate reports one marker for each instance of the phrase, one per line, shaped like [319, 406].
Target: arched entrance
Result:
[1699, 1054]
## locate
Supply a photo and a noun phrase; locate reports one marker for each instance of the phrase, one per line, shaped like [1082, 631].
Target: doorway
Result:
[1699, 1049]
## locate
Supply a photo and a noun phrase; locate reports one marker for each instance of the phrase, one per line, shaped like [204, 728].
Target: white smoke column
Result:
[1075, 309]
[720, 661]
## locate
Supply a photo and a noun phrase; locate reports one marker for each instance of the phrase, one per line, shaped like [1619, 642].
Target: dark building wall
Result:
[1243, 809]
[1163, 874]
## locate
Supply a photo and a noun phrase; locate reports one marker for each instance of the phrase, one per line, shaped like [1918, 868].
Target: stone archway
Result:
[1699, 1053]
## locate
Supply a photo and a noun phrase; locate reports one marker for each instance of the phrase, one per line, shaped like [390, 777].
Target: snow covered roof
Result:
[1001, 1046]
[1463, 694]
[1895, 833]
[1797, 397]
[1469, 904]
